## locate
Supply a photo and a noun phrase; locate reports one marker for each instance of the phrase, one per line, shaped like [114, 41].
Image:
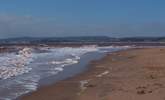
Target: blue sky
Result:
[115, 18]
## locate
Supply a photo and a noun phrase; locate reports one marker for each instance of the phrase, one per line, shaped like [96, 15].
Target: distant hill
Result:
[82, 39]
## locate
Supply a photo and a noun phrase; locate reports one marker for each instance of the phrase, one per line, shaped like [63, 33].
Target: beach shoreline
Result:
[44, 66]
[135, 76]
[89, 67]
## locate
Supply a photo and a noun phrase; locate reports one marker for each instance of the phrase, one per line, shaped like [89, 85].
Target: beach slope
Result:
[137, 74]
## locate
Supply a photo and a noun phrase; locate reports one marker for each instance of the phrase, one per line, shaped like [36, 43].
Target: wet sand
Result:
[137, 74]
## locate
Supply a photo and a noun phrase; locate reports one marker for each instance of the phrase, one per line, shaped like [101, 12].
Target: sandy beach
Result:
[136, 74]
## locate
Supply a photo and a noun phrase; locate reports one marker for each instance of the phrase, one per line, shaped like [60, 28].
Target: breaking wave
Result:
[20, 72]
[13, 65]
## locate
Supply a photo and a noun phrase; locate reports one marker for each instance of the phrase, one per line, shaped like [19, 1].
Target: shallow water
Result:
[24, 71]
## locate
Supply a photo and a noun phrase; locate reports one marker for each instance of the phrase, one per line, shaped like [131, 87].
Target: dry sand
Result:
[137, 74]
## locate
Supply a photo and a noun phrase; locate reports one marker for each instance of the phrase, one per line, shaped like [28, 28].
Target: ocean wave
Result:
[15, 65]
[64, 62]
[38, 65]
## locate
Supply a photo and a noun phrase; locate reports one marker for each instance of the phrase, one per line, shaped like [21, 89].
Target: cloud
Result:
[19, 26]
[14, 26]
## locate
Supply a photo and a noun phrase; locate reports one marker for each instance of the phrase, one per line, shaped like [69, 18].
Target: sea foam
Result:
[20, 72]
[16, 64]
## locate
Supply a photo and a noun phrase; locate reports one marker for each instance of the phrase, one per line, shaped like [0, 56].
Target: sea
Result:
[26, 70]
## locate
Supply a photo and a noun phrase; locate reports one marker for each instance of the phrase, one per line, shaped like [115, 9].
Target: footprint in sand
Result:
[141, 90]
[149, 88]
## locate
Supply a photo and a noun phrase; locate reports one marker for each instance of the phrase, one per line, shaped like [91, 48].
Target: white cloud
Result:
[18, 26]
